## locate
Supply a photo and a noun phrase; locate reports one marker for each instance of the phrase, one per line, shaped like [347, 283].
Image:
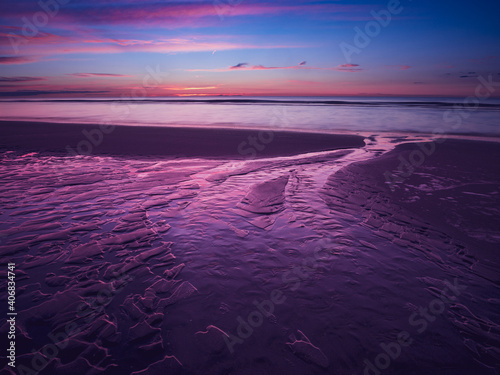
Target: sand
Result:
[297, 264]
[166, 141]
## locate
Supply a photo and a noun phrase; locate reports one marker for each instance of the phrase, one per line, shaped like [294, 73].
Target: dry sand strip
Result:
[171, 141]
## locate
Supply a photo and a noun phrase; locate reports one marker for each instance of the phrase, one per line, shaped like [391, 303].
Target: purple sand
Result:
[308, 264]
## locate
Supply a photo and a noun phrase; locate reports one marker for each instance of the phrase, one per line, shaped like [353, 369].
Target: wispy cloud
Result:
[191, 88]
[49, 92]
[11, 60]
[397, 67]
[175, 14]
[351, 68]
[97, 75]
[468, 75]
[21, 79]
[104, 45]
[247, 66]
[239, 66]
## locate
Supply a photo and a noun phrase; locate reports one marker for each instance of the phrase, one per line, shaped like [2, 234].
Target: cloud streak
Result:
[12, 60]
[49, 92]
[21, 79]
[351, 68]
[102, 45]
[97, 75]
[170, 15]
[247, 66]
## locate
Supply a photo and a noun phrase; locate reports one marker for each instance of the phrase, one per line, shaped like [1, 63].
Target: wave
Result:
[304, 102]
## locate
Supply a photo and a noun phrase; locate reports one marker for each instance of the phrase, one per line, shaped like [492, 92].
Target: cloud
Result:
[48, 92]
[398, 67]
[460, 75]
[21, 79]
[262, 67]
[239, 66]
[300, 66]
[97, 75]
[11, 60]
[351, 68]
[246, 66]
[191, 88]
[172, 14]
[468, 75]
[103, 45]
[304, 82]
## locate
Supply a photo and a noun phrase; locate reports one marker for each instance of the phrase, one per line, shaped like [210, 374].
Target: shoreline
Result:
[363, 133]
[212, 142]
[86, 139]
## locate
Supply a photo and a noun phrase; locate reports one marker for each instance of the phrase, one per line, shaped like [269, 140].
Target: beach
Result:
[196, 250]
[109, 139]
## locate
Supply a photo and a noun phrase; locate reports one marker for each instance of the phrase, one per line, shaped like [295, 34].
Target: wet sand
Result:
[293, 264]
[166, 141]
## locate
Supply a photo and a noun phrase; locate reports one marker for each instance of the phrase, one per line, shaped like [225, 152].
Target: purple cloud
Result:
[10, 60]
[351, 68]
[239, 66]
[97, 75]
[21, 79]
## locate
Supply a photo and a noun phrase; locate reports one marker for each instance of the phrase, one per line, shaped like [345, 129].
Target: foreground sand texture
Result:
[148, 265]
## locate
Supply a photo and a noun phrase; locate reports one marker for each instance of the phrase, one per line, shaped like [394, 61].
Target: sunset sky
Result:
[76, 48]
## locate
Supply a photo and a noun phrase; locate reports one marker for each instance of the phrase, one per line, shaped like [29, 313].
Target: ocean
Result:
[352, 114]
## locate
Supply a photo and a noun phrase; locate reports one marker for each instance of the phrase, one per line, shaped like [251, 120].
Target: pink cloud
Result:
[304, 83]
[177, 14]
[21, 79]
[97, 75]
[351, 68]
[86, 44]
[11, 60]
[246, 66]
[40, 38]
[191, 88]
[171, 14]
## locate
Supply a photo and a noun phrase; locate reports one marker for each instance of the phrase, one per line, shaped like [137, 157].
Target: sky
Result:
[125, 48]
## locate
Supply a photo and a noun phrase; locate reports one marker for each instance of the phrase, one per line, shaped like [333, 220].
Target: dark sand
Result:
[166, 141]
[169, 255]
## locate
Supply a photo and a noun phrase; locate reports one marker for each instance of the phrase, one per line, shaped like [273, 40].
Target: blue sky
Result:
[247, 47]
